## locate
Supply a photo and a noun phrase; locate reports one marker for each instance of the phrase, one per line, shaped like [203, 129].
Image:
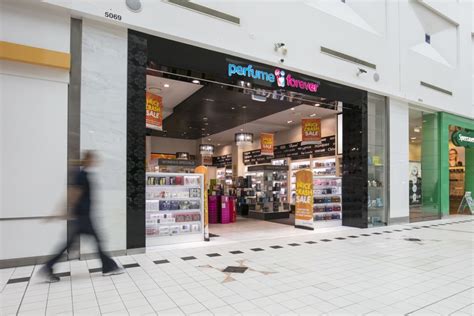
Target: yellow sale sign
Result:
[311, 131]
[304, 200]
[266, 144]
[154, 111]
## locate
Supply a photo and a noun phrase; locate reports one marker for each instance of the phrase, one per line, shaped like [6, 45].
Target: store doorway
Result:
[248, 194]
[424, 164]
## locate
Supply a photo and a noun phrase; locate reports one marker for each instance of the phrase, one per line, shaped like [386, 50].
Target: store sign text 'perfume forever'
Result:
[281, 77]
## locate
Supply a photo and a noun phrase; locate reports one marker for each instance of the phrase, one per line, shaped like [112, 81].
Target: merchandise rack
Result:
[327, 189]
[174, 208]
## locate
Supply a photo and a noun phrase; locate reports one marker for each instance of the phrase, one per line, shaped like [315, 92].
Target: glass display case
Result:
[376, 167]
[174, 208]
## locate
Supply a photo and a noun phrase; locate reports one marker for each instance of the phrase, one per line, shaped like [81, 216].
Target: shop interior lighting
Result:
[243, 139]
[313, 115]
[317, 104]
[206, 149]
[292, 109]
[416, 129]
[412, 138]
[196, 81]
[289, 122]
[259, 98]
[166, 85]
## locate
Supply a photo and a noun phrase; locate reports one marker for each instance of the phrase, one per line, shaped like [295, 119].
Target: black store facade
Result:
[149, 53]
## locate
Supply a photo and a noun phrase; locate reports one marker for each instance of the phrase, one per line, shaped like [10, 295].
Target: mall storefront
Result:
[441, 164]
[209, 101]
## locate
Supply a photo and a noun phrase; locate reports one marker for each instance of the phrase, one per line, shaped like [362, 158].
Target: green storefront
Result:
[440, 170]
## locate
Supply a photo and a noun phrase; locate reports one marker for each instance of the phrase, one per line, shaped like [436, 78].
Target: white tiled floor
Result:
[382, 274]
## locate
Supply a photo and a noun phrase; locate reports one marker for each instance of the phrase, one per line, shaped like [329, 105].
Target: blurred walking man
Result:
[81, 202]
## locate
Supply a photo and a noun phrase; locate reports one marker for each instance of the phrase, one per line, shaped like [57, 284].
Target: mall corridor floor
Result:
[414, 269]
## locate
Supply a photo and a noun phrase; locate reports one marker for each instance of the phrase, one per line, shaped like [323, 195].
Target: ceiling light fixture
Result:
[196, 81]
[292, 109]
[412, 138]
[243, 139]
[166, 85]
[206, 149]
[313, 115]
[317, 104]
[204, 118]
[416, 129]
[289, 122]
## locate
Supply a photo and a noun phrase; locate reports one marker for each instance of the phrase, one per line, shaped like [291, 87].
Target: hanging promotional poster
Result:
[154, 111]
[310, 131]
[304, 200]
[266, 144]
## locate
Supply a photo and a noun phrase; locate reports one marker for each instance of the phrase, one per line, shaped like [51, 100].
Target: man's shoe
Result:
[115, 271]
[48, 275]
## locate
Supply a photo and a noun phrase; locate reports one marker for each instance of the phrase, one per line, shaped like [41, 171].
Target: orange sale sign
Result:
[154, 111]
[304, 200]
[311, 131]
[266, 144]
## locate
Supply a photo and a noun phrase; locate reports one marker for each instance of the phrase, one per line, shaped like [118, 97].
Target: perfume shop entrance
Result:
[225, 138]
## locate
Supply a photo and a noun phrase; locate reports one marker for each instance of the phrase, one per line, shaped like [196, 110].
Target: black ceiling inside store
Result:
[215, 108]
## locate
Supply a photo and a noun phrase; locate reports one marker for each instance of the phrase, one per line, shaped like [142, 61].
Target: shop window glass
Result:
[377, 160]
[424, 166]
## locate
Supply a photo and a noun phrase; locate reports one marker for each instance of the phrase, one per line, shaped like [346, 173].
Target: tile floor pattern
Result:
[417, 269]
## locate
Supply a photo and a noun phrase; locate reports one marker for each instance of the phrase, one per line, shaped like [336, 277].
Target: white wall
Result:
[389, 34]
[33, 134]
[104, 126]
[399, 169]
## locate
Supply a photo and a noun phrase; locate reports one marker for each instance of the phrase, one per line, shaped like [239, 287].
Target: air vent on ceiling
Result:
[346, 57]
[205, 10]
[433, 87]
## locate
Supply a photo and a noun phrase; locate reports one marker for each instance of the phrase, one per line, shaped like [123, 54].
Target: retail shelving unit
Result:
[224, 175]
[174, 208]
[295, 166]
[376, 191]
[270, 184]
[327, 189]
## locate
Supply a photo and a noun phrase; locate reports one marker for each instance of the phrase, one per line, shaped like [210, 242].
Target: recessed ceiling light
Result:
[317, 104]
[244, 106]
[218, 144]
[416, 130]
[204, 118]
[196, 81]
[292, 109]
[203, 129]
[166, 85]
[313, 115]
[241, 129]
[206, 123]
[209, 139]
[412, 138]
[233, 108]
[289, 122]
[209, 100]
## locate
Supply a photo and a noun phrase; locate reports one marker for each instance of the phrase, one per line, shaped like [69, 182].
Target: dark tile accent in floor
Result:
[352, 236]
[19, 280]
[406, 228]
[213, 235]
[340, 238]
[412, 239]
[387, 231]
[276, 247]
[63, 274]
[235, 269]
[131, 265]
[95, 270]
[188, 258]
[161, 261]
[310, 242]
[325, 240]
[256, 249]
[398, 230]
[236, 252]
[294, 245]
[425, 226]
[213, 255]
[416, 227]
[376, 233]
[365, 235]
